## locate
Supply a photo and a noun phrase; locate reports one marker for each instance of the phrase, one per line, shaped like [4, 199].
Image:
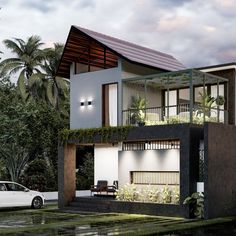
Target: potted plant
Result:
[196, 204]
[220, 100]
[207, 103]
[137, 116]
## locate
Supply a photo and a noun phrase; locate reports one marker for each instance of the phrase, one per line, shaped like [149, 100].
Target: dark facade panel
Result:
[230, 75]
[220, 166]
[189, 136]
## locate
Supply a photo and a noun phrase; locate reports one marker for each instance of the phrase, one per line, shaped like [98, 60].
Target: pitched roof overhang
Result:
[103, 51]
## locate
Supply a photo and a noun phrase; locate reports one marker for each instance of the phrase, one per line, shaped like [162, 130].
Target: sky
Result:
[196, 32]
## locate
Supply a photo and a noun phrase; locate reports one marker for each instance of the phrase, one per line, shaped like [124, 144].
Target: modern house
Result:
[152, 122]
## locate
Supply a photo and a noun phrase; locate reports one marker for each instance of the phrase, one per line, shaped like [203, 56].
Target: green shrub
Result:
[127, 193]
[130, 192]
[39, 176]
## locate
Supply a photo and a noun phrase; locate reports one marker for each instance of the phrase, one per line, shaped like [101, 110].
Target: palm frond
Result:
[13, 46]
[35, 80]
[50, 94]
[22, 86]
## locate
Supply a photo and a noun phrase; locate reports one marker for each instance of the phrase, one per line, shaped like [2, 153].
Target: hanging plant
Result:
[119, 133]
[220, 100]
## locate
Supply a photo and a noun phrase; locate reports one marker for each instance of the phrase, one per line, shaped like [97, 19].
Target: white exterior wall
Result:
[88, 87]
[105, 163]
[149, 160]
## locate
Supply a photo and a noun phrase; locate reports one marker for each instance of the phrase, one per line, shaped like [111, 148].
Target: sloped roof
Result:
[116, 47]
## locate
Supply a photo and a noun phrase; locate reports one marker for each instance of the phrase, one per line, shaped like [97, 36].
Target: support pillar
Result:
[66, 174]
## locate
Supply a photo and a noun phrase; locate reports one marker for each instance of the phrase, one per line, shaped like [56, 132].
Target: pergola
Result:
[189, 78]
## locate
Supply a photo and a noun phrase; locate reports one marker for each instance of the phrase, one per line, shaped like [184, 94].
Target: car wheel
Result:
[37, 203]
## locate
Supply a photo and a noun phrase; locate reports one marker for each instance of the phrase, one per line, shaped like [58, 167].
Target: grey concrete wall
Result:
[220, 169]
[88, 86]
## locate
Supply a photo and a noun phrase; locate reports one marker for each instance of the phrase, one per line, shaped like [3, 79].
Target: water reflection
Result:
[227, 229]
[21, 221]
[11, 220]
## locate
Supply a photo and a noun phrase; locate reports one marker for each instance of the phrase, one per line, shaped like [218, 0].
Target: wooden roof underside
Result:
[81, 48]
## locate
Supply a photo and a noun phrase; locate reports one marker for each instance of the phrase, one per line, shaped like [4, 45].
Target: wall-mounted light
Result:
[89, 103]
[82, 104]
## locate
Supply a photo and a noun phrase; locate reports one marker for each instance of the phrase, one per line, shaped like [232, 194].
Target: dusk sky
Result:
[197, 32]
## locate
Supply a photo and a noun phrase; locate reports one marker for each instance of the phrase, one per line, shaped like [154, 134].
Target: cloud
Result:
[38, 5]
[197, 32]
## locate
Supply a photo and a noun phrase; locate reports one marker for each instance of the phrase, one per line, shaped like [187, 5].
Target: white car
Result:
[16, 195]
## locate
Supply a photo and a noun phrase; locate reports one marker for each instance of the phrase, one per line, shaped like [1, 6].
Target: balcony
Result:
[173, 115]
[188, 96]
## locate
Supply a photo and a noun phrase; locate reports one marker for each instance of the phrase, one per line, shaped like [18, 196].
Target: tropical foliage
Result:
[85, 172]
[39, 176]
[138, 104]
[36, 71]
[196, 203]
[28, 132]
[208, 103]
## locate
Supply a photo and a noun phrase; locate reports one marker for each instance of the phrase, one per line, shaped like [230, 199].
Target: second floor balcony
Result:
[188, 96]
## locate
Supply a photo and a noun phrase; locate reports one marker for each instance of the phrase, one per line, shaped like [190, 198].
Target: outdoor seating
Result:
[100, 187]
[112, 188]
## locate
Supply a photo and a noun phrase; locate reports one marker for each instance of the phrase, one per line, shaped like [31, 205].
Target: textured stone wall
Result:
[220, 169]
[230, 75]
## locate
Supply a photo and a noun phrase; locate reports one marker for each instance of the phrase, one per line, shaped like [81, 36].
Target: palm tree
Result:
[57, 88]
[27, 62]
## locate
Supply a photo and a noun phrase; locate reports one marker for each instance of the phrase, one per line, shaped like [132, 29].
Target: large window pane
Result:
[172, 102]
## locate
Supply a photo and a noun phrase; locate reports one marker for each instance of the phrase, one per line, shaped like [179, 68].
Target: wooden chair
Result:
[101, 186]
[112, 188]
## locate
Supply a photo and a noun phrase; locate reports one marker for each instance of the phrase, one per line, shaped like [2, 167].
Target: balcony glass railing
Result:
[174, 114]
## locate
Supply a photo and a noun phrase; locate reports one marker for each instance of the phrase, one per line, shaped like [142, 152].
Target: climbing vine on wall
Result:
[105, 134]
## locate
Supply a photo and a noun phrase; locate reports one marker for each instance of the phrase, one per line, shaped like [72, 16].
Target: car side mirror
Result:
[26, 190]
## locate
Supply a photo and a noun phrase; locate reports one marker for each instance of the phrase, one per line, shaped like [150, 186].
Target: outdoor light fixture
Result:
[82, 104]
[89, 103]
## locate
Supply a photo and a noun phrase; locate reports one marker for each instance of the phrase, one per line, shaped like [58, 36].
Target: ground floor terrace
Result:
[159, 166]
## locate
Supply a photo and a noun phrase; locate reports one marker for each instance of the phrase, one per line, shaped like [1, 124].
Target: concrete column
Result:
[66, 174]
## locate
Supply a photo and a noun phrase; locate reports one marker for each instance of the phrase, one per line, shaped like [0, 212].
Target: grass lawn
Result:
[50, 221]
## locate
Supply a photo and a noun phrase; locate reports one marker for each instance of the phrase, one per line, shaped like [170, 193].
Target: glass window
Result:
[14, 187]
[184, 96]
[197, 94]
[110, 104]
[172, 102]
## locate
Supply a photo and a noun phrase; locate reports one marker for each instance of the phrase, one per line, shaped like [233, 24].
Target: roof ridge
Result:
[125, 41]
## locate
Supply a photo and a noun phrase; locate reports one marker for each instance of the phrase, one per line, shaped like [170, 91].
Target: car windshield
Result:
[14, 187]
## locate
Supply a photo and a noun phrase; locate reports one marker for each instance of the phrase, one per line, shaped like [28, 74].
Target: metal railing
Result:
[174, 114]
